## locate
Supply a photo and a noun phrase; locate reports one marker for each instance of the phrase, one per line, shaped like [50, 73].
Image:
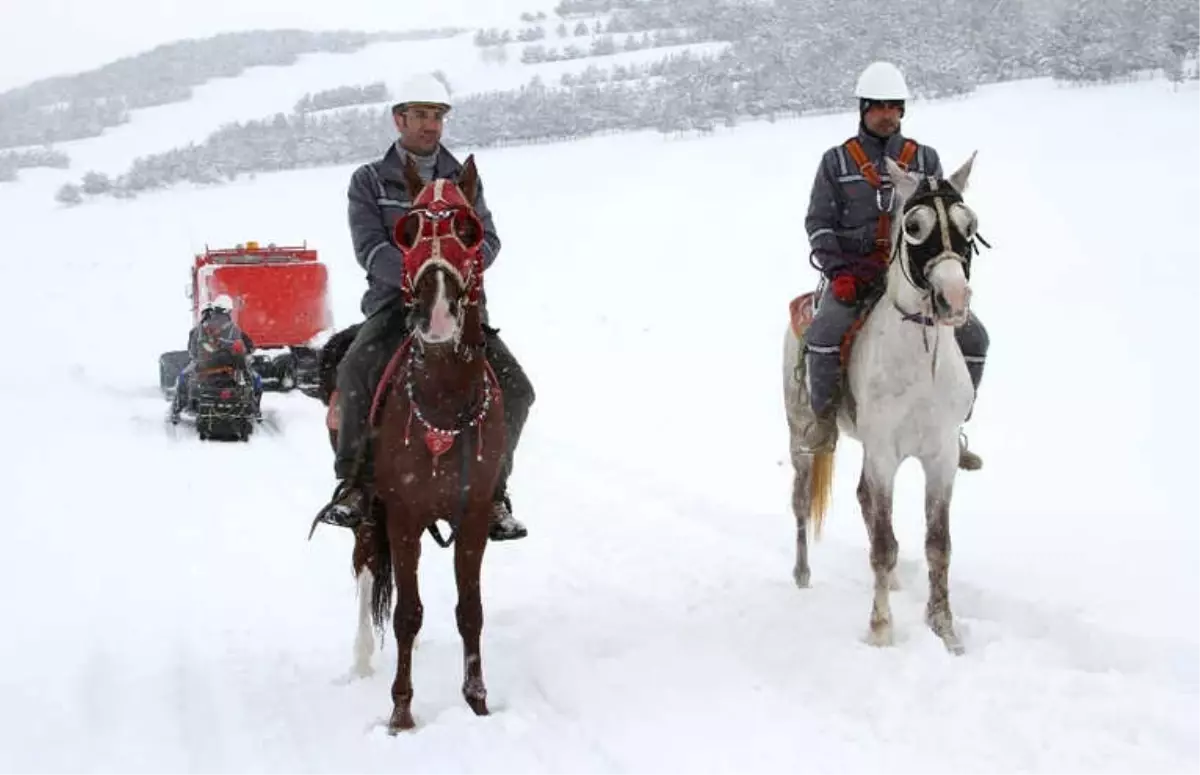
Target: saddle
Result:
[386, 382]
[802, 309]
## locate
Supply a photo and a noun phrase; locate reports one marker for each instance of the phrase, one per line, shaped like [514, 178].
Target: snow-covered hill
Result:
[162, 610]
[47, 39]
[262, 92]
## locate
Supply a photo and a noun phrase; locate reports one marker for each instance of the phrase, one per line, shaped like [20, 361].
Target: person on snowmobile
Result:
[216, 341]
[377, 200]
[843, 214]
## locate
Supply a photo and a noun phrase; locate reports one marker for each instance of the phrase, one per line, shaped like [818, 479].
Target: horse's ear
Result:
[904, 181]
[468, 181]
[960, 176]
[412, 178]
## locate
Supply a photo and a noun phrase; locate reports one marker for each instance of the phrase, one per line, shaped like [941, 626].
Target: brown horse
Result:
[437, 435]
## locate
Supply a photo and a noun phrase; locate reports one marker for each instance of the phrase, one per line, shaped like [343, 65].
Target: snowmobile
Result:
[280, 299]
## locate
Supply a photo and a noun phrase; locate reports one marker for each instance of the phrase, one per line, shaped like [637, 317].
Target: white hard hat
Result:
[881, 81]
[420, 89]
[222, 302]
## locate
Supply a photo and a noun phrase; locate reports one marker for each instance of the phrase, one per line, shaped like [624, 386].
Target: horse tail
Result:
[329, 357]
[820, 489]
[381, 568]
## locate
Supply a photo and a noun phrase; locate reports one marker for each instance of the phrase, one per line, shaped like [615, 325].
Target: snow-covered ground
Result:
[162, 611]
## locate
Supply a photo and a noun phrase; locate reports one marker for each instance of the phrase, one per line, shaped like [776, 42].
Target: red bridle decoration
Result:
[442, 212]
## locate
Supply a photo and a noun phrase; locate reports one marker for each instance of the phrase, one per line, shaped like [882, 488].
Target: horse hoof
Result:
[943, 627]
[401, 721]
[802, 577]
[953, 644]
[478, 705]
[475, 693]
[881, 636]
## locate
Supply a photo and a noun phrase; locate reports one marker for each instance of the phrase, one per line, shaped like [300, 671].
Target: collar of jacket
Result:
[875, 146]
[391, 169]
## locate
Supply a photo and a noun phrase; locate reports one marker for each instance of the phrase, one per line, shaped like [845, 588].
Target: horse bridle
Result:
[943, 242]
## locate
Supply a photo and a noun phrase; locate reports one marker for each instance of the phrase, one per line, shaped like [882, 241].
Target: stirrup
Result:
[967, 460]
[339, 514]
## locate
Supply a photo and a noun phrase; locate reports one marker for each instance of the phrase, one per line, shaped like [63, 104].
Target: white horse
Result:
[909, 392]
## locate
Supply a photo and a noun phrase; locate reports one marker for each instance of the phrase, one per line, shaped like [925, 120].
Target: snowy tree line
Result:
[981, 40]
[791, 58]
[341, 97]
[83, 105]
[569, 8]
[606, 45]
[11, 161]
[654, 21]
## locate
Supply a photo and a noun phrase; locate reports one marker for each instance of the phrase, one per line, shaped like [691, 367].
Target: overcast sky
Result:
[40, 38]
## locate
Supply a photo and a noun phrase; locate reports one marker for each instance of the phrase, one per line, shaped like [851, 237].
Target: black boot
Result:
[823, 374]
[518, 400]
[504, 526]
[349, 506]
[178, 400]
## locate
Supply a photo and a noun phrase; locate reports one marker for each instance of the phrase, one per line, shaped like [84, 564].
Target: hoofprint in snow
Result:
[162, 610]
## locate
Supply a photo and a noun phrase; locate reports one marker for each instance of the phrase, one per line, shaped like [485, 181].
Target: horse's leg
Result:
[863, 502]
[801, 505]
[468, 565]
[875, 497]
[406, 553]
[939, 486]
[801, 508]
[795, 406]
[364, 641]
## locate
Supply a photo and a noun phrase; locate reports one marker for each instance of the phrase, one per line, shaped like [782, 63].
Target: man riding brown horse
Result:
[378, 199]
[848, 224]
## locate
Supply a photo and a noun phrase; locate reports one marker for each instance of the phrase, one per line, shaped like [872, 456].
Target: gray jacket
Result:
[842, 210]
[378, 199]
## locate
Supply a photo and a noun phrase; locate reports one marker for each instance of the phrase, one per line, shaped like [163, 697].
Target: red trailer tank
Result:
[281, 299]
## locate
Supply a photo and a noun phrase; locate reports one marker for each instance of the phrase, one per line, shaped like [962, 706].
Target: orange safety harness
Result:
[883, 228]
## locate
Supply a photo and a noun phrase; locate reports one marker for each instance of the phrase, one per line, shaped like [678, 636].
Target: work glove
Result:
[845, 288]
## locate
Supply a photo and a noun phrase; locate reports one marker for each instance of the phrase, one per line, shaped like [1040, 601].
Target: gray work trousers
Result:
[823, 343]
[362, 367]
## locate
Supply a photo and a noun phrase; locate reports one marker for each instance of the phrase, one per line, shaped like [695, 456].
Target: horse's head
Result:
[934, 233]
[440, 237]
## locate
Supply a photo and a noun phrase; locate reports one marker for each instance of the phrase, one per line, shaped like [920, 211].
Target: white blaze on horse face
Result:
[950, 281]
[443, 324]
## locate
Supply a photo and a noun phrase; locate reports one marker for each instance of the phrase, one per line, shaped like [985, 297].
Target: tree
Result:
[69, 195]
[96, 183]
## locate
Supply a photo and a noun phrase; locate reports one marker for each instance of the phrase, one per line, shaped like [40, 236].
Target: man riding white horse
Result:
[848, 227]
[378, 199]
